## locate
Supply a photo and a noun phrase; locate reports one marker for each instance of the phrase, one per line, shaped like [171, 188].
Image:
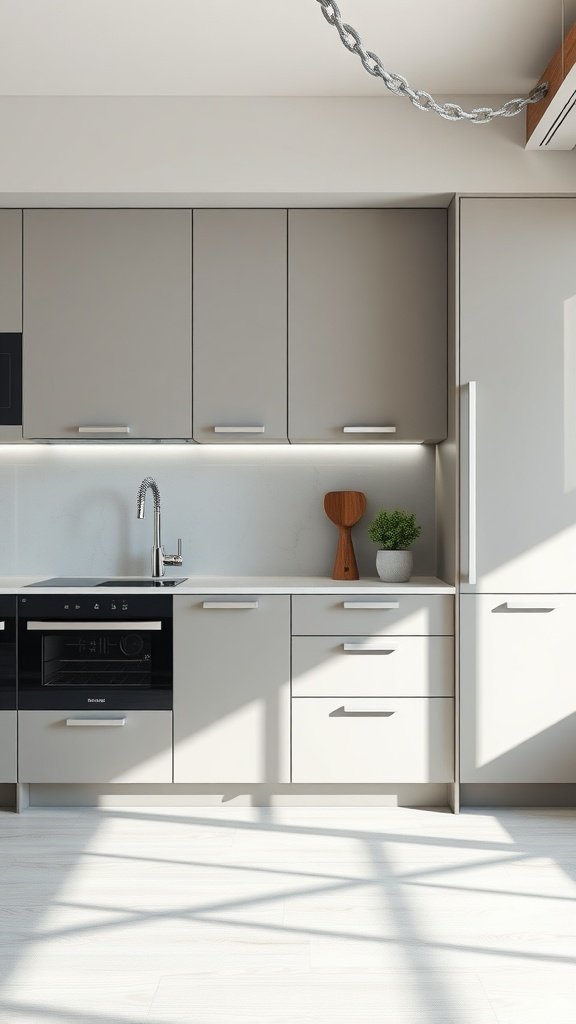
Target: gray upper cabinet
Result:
[240, 312]
[10, 271]
[367, 325]
[107, 324]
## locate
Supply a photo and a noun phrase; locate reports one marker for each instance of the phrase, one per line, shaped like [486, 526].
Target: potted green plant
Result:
[395, 531]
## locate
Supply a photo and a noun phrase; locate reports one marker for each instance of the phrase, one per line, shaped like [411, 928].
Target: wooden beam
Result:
[561, 63]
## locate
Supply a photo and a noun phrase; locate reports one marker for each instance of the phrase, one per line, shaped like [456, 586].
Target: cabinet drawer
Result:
[398, 614]
[51, 749]
[372, 740]
[338, 666]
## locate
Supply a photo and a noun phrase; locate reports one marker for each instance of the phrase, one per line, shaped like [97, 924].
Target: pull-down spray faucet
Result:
[159, 559]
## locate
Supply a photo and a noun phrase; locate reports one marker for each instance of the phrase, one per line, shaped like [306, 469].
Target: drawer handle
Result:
[523, 606]
[2, 625]
[359, 648]
[96, 722]
[103, 430]
[360, 711]
[260, 429]
[376, 605]
[230, 605]
[368, 430]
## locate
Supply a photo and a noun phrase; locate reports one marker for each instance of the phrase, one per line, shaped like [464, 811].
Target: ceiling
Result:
[271, 47]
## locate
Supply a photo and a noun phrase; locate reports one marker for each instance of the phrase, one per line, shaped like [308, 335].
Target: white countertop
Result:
[245, 585]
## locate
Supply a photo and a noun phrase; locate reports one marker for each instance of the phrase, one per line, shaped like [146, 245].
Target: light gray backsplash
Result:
[239, 510]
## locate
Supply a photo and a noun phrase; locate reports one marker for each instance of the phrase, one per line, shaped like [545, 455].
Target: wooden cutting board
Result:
[345, 509]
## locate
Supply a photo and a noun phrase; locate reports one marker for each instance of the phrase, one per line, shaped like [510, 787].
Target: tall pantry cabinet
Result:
[518, 489]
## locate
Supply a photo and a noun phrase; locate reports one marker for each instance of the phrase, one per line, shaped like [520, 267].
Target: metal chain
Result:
[398, 85]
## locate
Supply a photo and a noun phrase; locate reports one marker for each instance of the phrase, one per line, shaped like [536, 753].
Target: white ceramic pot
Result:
[394, 566]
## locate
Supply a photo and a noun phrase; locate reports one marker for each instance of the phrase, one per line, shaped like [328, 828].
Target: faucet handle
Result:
[174, 559]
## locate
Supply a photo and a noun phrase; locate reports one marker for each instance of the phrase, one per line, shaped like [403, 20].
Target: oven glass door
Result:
[7, 653]
[117, 665]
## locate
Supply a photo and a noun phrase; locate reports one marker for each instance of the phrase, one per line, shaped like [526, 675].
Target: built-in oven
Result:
[95, 652]
[7, 653]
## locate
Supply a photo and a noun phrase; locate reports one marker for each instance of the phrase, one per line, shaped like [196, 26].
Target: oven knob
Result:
[131, 644]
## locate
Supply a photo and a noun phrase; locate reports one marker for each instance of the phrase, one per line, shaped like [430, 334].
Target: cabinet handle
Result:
[96, 722]
[368, 430]
[103, 430]
[133, 625]
[361, 711]
[370, 646]
[472, 570]
[2, 625]
[230, 605]
[376, 605]
[522, 606]
[240, 430]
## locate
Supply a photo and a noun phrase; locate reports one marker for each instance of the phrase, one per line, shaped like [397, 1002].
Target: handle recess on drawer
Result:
[259, 429]
[362, 647]
[103, 430]
[367, 605]
[230, 605]
[81, 722]
[368, 430]
[361, 710]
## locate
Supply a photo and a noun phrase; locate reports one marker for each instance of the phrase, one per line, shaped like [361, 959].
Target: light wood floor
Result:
[288, 916]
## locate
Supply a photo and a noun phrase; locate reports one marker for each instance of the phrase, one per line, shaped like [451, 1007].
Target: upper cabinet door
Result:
[367, 325]
[518, 342]
[107, 324]
[10, 271]
[240, 372]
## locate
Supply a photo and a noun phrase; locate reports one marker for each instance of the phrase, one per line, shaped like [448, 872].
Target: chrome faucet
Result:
[159, 559]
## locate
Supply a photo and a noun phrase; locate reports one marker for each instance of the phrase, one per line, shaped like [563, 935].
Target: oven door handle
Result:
[97, 625]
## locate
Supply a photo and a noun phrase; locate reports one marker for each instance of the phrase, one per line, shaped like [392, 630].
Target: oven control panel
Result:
[94, 606]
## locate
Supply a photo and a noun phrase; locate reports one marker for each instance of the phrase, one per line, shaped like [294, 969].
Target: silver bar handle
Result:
[472, 553]
[365, 710]
[376, 605]
[373, 645]
[103, 430]
[2, 625]
[97, 625]
[524, 606]
[229, 605]
[260, 429]
[103, 722]
[369, 430]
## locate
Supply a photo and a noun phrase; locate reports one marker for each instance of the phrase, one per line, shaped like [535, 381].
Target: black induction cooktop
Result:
[72, 582]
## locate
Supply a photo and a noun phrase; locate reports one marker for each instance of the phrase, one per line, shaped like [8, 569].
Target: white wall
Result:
[242, 150]
[72, 510]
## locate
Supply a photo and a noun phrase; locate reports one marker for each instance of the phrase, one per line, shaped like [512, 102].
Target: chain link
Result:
[398, 85]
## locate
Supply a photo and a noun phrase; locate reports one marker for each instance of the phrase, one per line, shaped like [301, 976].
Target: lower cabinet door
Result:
[232, 689]
[71, 746]
[340, 740]
[517, 688]
[8, 731]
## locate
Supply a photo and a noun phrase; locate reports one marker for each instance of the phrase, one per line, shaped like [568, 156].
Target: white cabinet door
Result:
[72, 746]
[518, 342]
[232, 689]
[518, 688]
[367, 325]
[8, 732]
[240, 361]
[353, 740]
[107, 324]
